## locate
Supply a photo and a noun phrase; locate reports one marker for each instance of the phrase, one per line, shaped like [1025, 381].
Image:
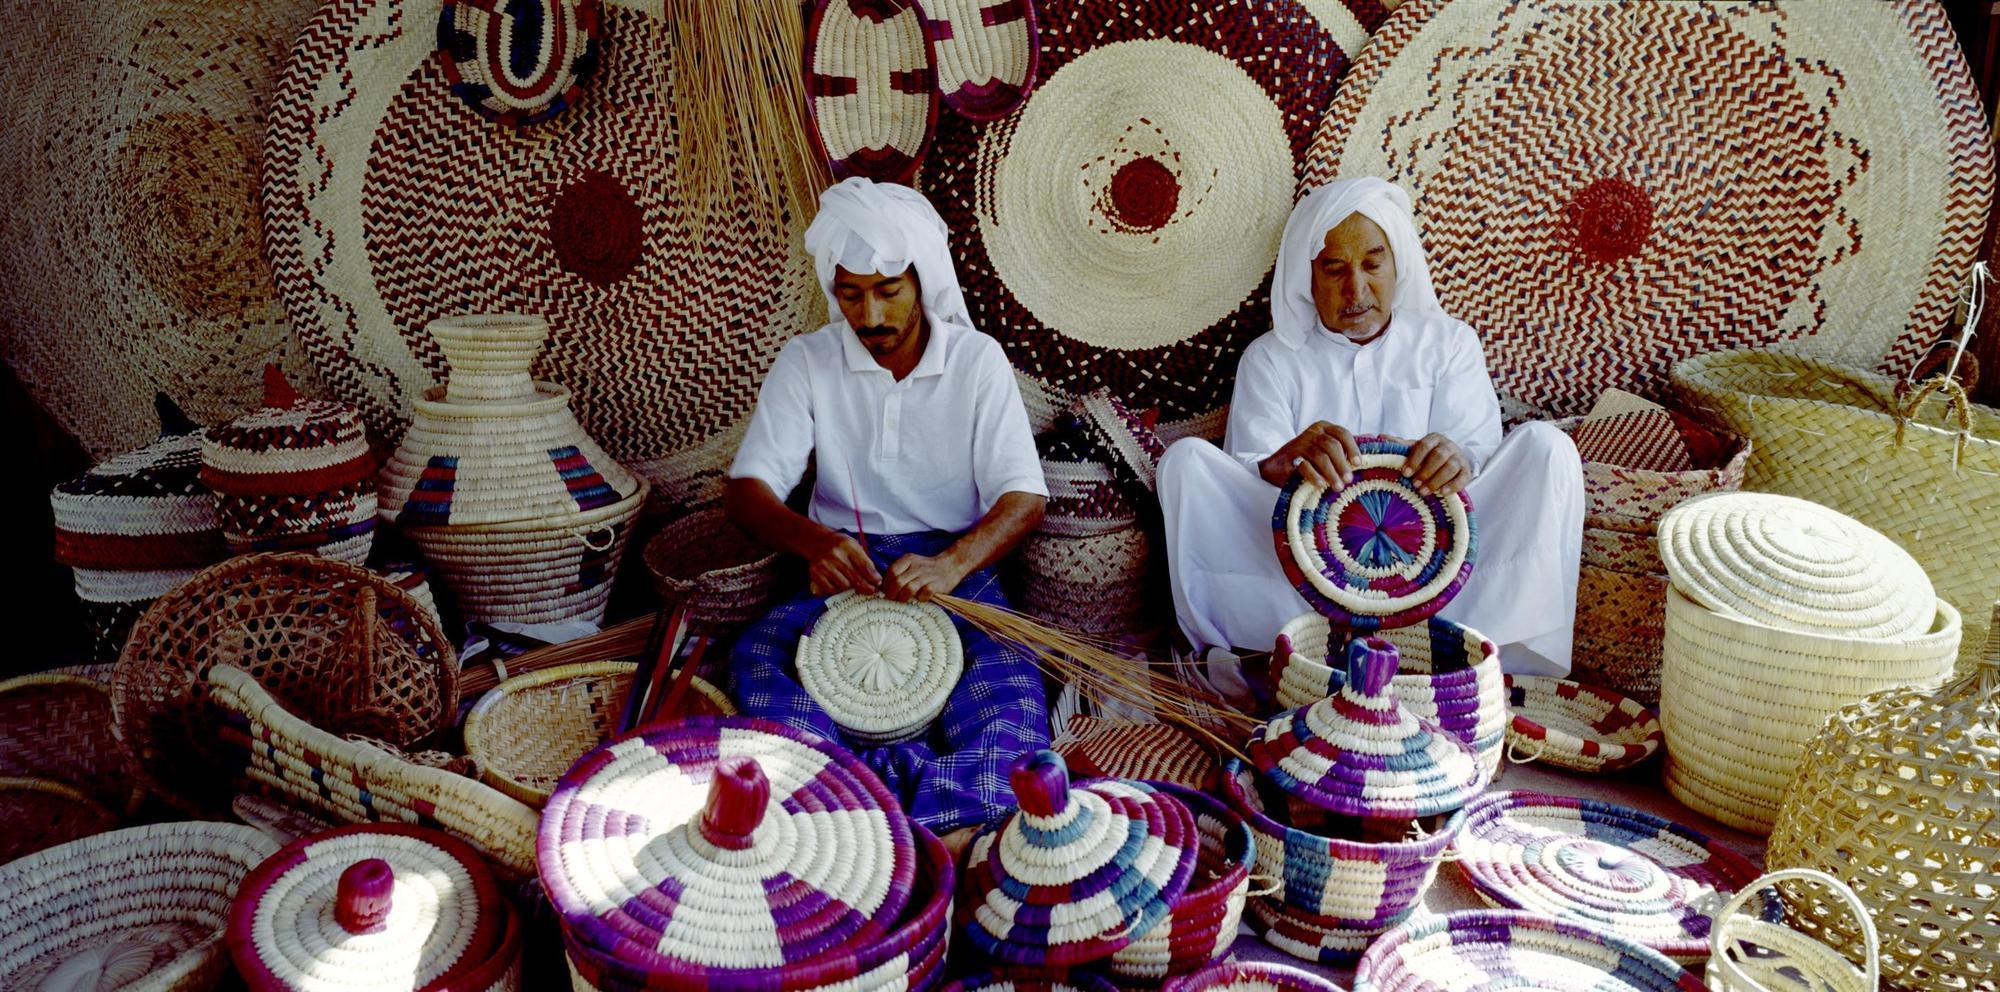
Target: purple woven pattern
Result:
[1612, 868]
[651, 857]
[1514, 950]
[1249, 976]
[1201, 926]
[1375, 553]
[1006, 981]
[955, 776]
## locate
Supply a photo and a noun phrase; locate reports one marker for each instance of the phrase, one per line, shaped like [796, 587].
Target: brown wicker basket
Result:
[36, 813]
[526, 733]
[722, 575]
[57, 726]
[356, 653]
[1899, 797]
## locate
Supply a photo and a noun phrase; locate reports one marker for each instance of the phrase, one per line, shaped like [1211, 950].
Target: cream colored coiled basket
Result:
[1786, 960]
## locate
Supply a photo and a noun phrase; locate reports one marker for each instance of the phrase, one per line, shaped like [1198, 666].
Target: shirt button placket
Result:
[892, 439]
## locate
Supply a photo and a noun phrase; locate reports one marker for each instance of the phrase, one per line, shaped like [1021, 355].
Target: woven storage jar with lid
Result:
[1446, 672]
[523, 515]
[1079, 872]
[139, 910]
[348, 647]
[664, 851]
[722, 576]
[1899, 798]
[1201, 925]
[1781, 612]
[882, 670]
[293, 475]
[377, 907]
[527, 731]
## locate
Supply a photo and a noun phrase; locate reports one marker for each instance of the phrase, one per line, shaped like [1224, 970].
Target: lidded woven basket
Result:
[1896, 797]
[377, 907]
[293, 475]
[881, 669]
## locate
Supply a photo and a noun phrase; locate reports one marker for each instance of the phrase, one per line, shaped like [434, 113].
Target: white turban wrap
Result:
[1293, 314]
[865, 226]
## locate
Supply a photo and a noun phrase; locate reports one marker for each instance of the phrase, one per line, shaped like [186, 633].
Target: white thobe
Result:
[1426, 373]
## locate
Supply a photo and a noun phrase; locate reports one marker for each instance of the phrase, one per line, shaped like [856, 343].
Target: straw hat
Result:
[871, 89]
[881, 669]
[480, 48]
[1079, 871]
[1360, 753]
[374, 906]
[1794, 565]
[1376, 552]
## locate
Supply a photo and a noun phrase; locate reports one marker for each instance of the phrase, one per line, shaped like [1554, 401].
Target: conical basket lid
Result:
[291, 446]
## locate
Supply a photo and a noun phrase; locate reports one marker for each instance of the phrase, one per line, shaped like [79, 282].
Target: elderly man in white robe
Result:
[1360, 346]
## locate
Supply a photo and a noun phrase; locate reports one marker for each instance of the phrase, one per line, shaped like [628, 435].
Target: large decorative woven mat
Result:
[1118, 230]
[1604, 188]
[130, 142]
[389, 202]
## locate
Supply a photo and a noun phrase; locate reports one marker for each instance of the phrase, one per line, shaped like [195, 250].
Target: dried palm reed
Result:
[622, 640]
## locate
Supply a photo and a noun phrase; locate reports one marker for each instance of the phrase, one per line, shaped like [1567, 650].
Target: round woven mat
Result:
[870, 87]
[1607, 867]
[881, 669]
[520, 63]
[1605, 188]
[131, 142]
[580, 221]
[1513, 950]
[344, 648]
[1118, 229]
[1376, 552]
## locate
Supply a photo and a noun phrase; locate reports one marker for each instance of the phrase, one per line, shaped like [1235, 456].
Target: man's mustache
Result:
[874, 332]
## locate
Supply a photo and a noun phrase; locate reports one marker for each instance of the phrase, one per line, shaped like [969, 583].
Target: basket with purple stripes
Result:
[731, 853]
[1445, 671]
[1079, 872]
[1377, 552]
[1201, 926]
[1249, 976]
[1514, 950]
[1608, 867]
[1027, 981]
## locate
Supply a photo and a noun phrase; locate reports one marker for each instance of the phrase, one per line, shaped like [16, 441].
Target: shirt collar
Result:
[931, 363]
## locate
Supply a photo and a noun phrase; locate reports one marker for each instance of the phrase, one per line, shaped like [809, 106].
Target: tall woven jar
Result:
[1781, 612]
[1899, 798]
[522, 514]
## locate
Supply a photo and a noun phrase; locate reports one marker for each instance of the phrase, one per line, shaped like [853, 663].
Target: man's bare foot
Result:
[957, 841]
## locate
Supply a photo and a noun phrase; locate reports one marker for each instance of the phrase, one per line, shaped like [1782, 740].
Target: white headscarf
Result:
[865, 226]
[1293, 315]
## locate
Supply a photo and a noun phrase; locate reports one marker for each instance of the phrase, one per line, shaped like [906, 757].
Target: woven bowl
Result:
[1201, 926]
[723, 577]
[1513, 950]
[147, 906]
[36, 814]
[57, 725]
[525, 733]
[1579, 727]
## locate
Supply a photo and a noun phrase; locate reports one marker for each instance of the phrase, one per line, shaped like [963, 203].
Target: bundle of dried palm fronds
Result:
[618, 641]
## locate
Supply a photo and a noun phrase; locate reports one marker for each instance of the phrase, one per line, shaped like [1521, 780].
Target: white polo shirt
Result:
[932, 452]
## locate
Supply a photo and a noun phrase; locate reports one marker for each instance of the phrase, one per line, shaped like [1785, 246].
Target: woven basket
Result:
[1095, 584]
[1895, 798]
[57, 725]
[533, 571]
[141, 909]
[278, 754]
[527, 732]
[1447, 672]
[1739, 701]
[1514, 950]
[1785, 958]
[1201, 925]
[1028, 980]
[1621, 625]
[355, 651]
[1579, 727]
[1925, 473]
[880, 669]
[722, 576]
[1094, 747]
[1249, 976]
[37, 813]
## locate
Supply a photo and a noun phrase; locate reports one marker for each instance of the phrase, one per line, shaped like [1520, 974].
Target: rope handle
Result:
[1515, 756]
[1720, 961]
[1264, 885]
[610, 537]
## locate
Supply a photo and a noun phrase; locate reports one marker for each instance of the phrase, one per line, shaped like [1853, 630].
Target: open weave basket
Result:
[1897, 799]
[724, 578]
[146, 905]
[278, 754]
[356, 652]
[57, 725]
[1923, 468]
[527, 732]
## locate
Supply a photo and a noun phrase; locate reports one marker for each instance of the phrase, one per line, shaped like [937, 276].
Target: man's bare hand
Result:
[1324, 453]
[1438, 465]
[839, 564]
[915, 577]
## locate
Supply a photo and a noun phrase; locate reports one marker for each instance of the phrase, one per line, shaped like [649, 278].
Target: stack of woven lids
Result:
[374, 906]
[136, 526]
[1781, 612]
[722, 852]
[881, 669]
[293, 475]
[1330, 777]
[523, 515]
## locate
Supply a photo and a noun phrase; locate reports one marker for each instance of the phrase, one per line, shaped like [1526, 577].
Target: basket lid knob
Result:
[361, 898]
[737, 799]
[1371, 663]
[1041, 783]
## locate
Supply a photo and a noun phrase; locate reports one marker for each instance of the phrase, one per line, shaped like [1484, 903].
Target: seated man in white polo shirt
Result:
[927, 476]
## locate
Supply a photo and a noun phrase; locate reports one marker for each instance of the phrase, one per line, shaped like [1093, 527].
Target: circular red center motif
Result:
[1144, 195]
[596, 229]
[1609, 219]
